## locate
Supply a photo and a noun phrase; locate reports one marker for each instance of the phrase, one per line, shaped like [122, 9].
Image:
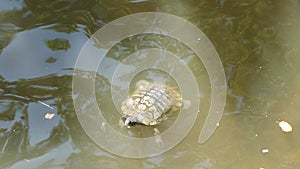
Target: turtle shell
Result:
[149, 102]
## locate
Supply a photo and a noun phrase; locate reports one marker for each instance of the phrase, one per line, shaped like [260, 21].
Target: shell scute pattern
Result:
[148, 103]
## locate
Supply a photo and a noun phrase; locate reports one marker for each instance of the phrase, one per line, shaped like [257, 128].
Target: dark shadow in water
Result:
[243, 32]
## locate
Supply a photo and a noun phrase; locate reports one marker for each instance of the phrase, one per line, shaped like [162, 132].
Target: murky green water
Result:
[258, 43]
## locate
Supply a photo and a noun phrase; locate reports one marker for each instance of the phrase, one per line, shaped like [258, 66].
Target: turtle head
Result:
[129, 120]
[139, 119]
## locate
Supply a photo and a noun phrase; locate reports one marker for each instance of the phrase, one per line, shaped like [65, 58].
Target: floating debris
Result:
[265, 150]
[46, 105]
[49, 116]
[285, 126]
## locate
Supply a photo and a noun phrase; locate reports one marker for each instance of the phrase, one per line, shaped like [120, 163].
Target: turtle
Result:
[149, 103]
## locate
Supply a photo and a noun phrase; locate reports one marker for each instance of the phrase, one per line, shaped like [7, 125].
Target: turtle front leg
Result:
[156, 131]
[121, 122]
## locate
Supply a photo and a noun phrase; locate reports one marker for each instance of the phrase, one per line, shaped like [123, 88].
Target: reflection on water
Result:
[258, 42]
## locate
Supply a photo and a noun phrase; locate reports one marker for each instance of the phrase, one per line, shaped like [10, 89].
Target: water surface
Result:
[258, 43]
